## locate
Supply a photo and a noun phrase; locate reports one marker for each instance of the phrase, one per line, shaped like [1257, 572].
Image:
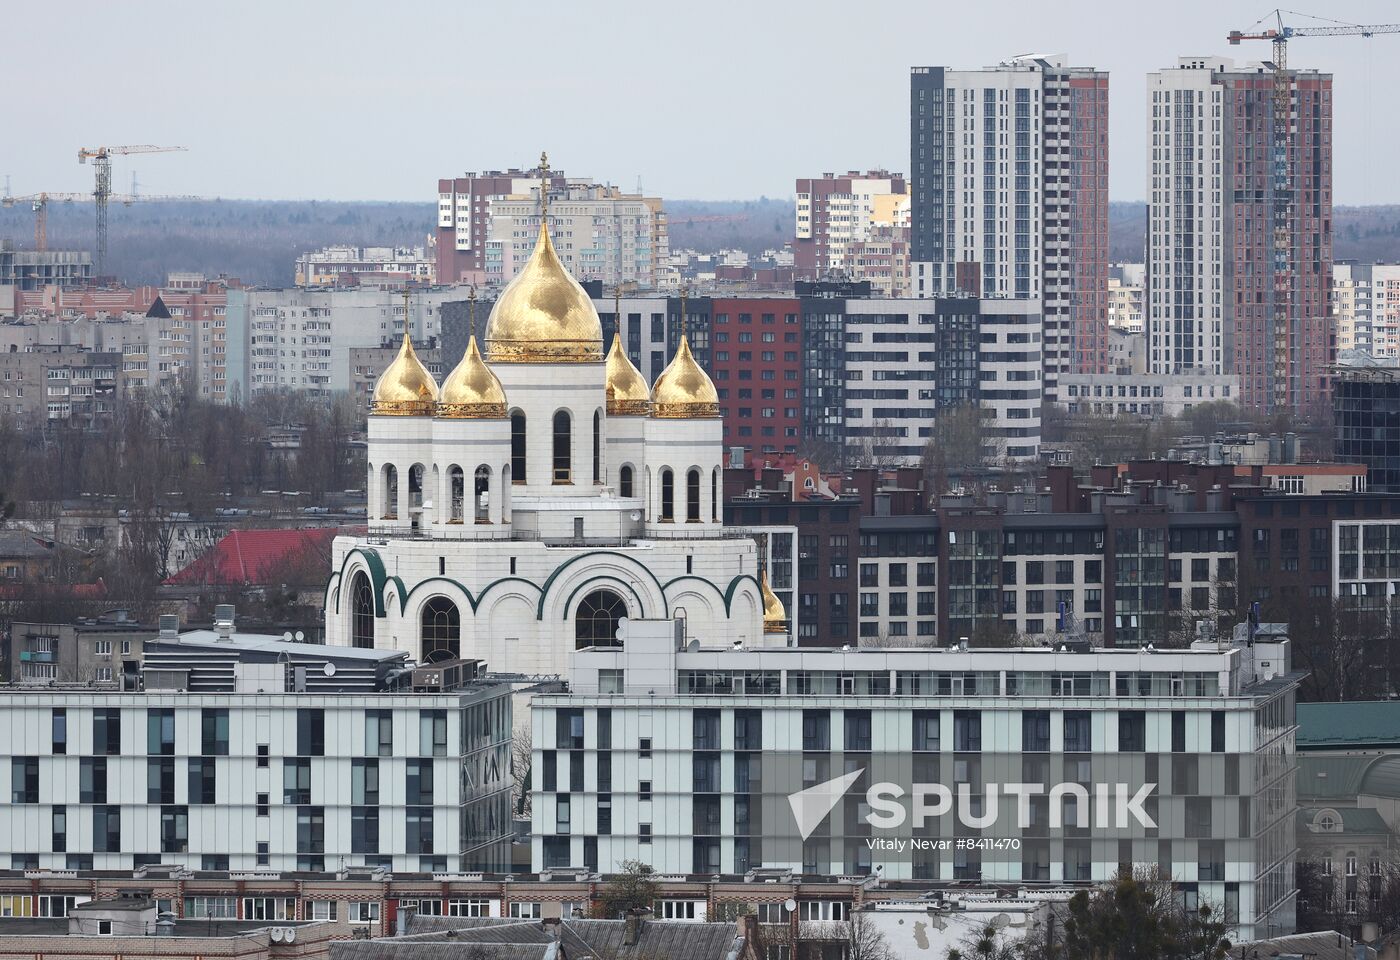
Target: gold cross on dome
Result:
[544, 183]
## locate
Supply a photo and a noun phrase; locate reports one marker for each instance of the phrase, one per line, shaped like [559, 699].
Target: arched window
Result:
[441, 627]
[481, 494]
[415, 486]
[714, 495]
[517, 447]
[597, 447]
[624, 481]
[389, 510]
[692, 496]
[668, 495]
[563, 448]
[361, 612]
[595, 622]
[458, 482]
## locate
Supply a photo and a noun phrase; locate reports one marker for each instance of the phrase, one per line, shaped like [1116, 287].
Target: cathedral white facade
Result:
[542, 494]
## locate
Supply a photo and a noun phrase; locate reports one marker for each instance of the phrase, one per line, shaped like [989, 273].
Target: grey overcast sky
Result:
[352, 100]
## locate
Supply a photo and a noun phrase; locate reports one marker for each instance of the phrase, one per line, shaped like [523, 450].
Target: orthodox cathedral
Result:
[541, 494]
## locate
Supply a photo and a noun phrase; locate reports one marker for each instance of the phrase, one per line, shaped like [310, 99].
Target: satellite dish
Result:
[291, 934]
[287, 637]
[328, 669]
[300, 636]
[636, 515]
[277, 935]
[790, 904]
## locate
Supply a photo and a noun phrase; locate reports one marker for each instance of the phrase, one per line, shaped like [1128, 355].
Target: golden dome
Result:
[405, 388]
[543, 315]
[684, 390]
[774, 614]
[471, 391]
[628, 393]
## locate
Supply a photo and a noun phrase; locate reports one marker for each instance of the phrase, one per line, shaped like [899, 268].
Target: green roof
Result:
[1327, 777]
[1359, 723]
[1355, 820]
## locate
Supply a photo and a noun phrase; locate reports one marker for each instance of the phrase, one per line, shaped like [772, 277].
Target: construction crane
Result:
[101, 158]
[1284, 197]
[41, 201]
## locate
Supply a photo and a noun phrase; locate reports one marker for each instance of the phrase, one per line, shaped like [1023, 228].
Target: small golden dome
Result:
[774, 614]
[543, 315]
[684, 390]
[628, 393]
[405, 388]
[471, 391]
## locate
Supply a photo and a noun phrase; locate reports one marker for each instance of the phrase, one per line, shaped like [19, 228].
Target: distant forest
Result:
[258, 241]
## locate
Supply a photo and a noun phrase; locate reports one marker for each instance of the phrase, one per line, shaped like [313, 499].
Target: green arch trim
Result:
[610, 578]
[333, 588]
[473, 600]
[734, 585]
[487, 589]
[549, 581]
[724, 598]
[377, 576]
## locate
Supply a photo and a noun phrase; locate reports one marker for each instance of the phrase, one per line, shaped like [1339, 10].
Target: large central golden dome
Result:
[405, 388]
[544, 315]
[774, 614]
[684, 389]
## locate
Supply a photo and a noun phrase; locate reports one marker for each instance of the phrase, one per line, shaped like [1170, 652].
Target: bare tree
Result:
[521, 763]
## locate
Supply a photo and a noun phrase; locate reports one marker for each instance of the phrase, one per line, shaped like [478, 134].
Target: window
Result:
[296, 780]
[24, 780]
[361, 612]
[160, 780]
[419, 788]
[311, 830]
[441, 629]
[668, 496]
[419, 829]
[60, 731]
[107, 732]
[92, 780]
[596, 621]
[563, 448]
[311, 733]
[174, 829]
[160, 732]
[214, 732]
[364, 782]
[432, 733]
[379, 733]
[517, 447]
[625, 481]
[364, 911]
[692, 496]
[597, 442]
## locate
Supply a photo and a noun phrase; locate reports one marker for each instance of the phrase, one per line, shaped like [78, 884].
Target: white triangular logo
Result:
[810, 806]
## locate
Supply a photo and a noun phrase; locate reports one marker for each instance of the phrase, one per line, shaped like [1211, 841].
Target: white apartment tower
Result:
[1010, 196]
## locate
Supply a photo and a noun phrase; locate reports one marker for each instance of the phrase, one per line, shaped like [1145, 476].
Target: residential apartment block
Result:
[60, 385]
[1009, 196]
[854, 227]
[487, 225]
[1366, 305]
[341, 265]
[1221, 296]
[693, 759]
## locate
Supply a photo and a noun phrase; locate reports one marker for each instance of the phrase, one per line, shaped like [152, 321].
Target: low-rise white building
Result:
[331, 265]
[244, 752]
[717, 760]
[1147, 395]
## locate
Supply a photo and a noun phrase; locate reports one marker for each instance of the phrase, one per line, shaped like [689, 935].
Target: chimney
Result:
[635, 918]
[223, 620]
[169, 626]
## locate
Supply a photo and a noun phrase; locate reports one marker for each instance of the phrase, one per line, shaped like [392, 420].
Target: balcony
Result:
[37, 656]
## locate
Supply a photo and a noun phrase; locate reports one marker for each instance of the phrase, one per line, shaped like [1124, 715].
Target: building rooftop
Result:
[449, 938]
[1368, 724]
[248, 556]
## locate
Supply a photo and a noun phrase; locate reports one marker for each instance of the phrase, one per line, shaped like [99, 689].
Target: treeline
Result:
[254, 240]
[178, 451]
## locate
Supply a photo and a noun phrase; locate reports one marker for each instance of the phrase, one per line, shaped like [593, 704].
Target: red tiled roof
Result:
[36, 591]
[244, 556]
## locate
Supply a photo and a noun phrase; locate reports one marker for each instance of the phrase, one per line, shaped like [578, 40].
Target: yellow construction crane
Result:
[1284, 196]
[40, 202]
[101, 158]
